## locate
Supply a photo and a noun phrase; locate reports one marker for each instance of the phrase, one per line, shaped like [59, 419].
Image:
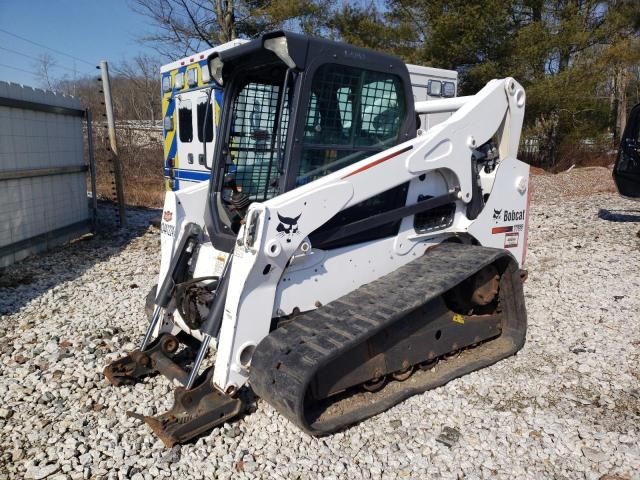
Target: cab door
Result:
[626, 172]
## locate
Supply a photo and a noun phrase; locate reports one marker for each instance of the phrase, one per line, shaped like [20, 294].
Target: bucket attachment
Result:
[194, 412]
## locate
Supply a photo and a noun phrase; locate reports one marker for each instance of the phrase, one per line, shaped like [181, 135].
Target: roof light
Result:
[434, 88]
[279, 46]
[215, 69]
[448, 89]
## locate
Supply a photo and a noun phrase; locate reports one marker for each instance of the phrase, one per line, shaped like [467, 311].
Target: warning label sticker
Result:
[511, 240]
[219, 265]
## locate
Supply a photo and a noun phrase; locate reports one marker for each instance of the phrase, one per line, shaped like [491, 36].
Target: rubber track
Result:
[288, 358]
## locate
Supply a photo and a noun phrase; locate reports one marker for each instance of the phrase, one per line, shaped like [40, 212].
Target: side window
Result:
[635, 131]
[208, 126]
[345, 103]
[178, 82]
[353, 113]
[381, 115]
[166, 83]
[313, 116]
[185, 121]
[629, 154]
[192, 77]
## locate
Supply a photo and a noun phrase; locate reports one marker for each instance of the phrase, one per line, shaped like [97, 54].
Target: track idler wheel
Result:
[476, 295]
[486, 286]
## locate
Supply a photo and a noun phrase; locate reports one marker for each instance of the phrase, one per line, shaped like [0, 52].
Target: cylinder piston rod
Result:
[441, 106]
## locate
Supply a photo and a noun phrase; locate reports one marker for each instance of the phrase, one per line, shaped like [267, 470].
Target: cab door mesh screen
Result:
[252, 141]
[352, 114]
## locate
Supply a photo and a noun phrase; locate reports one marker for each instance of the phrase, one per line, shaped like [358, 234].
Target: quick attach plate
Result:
[194, 412]
[160, 357]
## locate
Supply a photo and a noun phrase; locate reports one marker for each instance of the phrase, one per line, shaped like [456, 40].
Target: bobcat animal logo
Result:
[496, 214]
[288, 226]
[167, 216]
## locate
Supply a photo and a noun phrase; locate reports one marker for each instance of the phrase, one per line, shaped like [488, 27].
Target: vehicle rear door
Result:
[190, 114]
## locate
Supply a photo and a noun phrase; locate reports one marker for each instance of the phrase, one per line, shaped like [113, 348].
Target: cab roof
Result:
[305, 50]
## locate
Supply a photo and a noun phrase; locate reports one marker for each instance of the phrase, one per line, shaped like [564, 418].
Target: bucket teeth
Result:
[194, 412]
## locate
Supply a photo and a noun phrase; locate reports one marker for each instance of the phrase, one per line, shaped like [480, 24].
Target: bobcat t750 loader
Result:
[340, 259]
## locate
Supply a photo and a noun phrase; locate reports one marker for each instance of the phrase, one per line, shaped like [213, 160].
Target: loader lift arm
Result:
[498, 109]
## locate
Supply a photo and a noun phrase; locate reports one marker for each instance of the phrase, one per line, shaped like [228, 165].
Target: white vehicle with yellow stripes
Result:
[190, 99]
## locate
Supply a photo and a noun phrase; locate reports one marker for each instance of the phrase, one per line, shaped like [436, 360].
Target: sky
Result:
[90, 30]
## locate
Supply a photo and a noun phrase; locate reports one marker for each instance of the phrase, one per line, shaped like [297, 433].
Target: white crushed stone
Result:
[567, 406]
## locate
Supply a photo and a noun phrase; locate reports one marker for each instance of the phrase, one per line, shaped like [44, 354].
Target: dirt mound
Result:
[577, 182]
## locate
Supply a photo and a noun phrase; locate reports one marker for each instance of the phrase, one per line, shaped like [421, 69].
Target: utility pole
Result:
[111, 125]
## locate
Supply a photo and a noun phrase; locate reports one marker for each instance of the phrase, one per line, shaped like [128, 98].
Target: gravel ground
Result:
[567, 406]
[576, 182]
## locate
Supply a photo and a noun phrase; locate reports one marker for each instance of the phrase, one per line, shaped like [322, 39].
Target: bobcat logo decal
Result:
[496, 214]
[288, 226]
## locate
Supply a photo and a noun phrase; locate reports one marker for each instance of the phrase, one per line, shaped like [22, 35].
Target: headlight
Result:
[215, 69]
[449, 89]
[279, 46]
[434, 88]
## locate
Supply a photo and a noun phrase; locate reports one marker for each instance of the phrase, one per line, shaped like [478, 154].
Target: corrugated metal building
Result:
[43, 173]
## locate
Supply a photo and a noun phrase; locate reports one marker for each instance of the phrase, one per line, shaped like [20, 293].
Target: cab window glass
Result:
[353, 113]
[312, 114]
[635, 130]
[185, 121]
[629, 154]
[166, 83]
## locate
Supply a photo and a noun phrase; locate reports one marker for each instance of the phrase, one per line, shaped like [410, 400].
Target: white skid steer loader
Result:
[340, 258]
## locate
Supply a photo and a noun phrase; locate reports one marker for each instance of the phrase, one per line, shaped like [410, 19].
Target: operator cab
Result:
[626, 172]
[296, 109]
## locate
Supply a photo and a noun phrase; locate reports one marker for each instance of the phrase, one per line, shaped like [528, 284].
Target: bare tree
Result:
[142, 86]
[182, 26]
[45, 64]
[185, 26]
